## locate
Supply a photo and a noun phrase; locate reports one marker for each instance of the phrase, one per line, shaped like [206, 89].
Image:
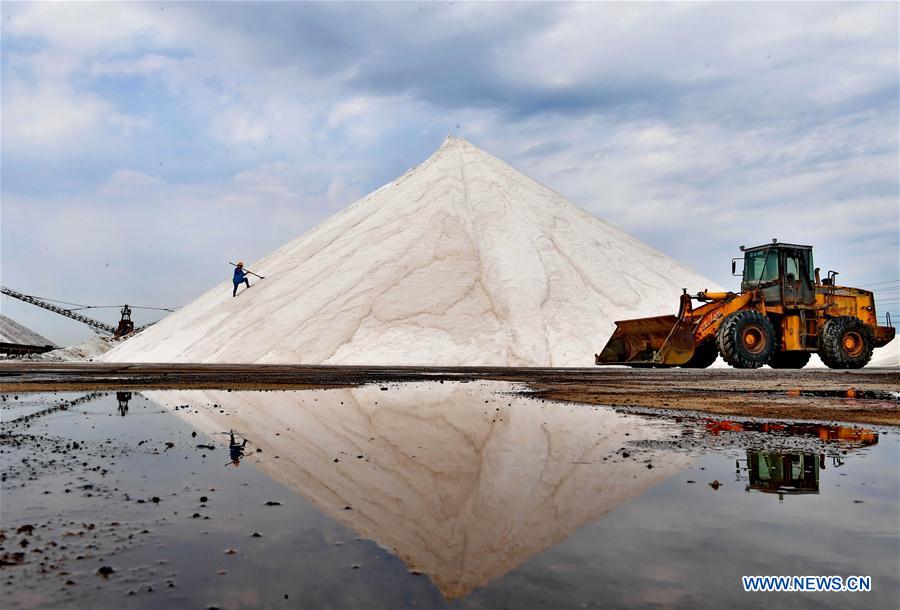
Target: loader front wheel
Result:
[704, 355]
[746, 339]
[846, 343]
[789, 360]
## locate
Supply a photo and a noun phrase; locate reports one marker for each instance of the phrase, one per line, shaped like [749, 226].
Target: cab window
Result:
[792, 267]
[761, 266]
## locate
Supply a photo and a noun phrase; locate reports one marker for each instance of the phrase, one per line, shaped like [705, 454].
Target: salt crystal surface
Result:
[89, 349]
[461, 261]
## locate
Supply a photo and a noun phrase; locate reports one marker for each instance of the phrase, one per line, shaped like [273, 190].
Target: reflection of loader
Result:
[782, 473]
[783, 314]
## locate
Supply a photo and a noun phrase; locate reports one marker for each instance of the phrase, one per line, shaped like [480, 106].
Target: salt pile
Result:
[13, 332]
[461, 261]
[88, 350]
[889, 355]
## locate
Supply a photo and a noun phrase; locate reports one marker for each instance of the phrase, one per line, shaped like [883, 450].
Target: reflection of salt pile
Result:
[461, 261]
[462, 490]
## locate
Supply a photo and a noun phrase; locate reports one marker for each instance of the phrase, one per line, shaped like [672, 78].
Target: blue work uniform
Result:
[239, 278]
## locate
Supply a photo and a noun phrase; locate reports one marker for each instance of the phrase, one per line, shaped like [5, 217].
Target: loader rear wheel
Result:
[704, 355]
[746, 339]
[846, 343]
[789, 360]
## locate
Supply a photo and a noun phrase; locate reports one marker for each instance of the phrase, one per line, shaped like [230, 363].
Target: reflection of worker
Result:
[236, 449]
[240, 277]
[123, 398]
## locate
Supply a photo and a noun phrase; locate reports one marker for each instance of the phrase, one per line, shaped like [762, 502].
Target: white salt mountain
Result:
[461, 261]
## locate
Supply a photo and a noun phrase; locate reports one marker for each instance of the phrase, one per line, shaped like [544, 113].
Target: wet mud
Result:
[870, 395]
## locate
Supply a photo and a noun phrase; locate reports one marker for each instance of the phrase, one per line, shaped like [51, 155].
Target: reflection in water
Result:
[782, 473]
[236, 449]
[849, 436]
[791, 472]
[461, 488]
[123, 398]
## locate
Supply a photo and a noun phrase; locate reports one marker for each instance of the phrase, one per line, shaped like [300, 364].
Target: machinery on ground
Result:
[125, 326]
[784, 313]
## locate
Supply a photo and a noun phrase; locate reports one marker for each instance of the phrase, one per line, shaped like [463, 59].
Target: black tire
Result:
[846, 343]
[704, 355]
[746, 339]
[789, 360]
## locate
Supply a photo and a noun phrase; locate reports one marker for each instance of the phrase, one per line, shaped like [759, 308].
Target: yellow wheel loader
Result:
[783, 313]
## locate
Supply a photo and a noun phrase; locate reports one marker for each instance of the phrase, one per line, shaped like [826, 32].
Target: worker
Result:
[240, 277]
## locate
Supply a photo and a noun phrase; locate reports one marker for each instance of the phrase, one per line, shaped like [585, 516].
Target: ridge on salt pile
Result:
[461, 261]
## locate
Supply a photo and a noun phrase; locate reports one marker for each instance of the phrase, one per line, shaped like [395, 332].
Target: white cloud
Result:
[237, 126]
[346, 110]
[42, 111]
[143, 65]
[129, 182]
[80, 27]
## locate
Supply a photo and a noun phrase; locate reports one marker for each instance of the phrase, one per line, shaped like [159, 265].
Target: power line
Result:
[78, 306]
[119, 306]
[880, 283]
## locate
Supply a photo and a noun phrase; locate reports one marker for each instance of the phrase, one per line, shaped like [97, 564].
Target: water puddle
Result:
[429, 495]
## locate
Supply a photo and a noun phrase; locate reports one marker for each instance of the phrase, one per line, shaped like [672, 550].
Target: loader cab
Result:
[783, 272]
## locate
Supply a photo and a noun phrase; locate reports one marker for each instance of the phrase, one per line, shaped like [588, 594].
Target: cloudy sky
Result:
[144, 145]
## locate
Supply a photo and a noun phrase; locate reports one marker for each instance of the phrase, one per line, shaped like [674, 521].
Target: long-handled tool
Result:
[248, 271]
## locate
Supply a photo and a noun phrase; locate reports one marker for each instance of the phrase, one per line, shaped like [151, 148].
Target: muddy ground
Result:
[864, 396]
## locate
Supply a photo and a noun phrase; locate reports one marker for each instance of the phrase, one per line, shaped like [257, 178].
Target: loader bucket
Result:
[659, 341]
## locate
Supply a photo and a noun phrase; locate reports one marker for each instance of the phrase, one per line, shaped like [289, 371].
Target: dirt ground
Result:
[864, 396]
